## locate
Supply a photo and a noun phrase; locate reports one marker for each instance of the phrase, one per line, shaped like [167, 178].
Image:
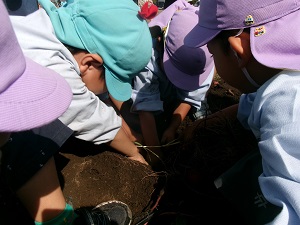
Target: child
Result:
[112, 39]
[177, 77]
[255, 45]
[33, 96]
[30, 95]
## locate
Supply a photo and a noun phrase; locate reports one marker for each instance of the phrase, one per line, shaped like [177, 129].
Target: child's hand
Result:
[138, 157]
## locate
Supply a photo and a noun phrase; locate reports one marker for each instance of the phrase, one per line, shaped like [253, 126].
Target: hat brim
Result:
[119, 90]
[37, 97]
[279, 46]
[200, 36]
[182, 80]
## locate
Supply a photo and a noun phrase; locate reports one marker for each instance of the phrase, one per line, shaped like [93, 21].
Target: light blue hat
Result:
[109, 28]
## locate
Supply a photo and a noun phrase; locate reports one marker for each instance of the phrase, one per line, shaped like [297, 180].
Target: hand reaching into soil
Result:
[124, 145]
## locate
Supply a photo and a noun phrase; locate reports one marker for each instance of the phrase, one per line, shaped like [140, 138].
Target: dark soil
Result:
[176, 192]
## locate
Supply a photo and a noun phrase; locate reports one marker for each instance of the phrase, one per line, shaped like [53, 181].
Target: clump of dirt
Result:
[91, 177]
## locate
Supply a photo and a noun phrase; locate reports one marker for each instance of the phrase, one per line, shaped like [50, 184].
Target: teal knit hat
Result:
[109, 28]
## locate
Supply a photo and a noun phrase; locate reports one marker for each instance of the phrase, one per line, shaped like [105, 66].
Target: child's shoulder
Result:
[280, 89]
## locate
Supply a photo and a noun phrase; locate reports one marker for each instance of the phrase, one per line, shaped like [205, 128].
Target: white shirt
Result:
[273, 115]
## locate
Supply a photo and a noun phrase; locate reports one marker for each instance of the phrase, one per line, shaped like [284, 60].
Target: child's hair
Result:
[110, 28]
[72, 49]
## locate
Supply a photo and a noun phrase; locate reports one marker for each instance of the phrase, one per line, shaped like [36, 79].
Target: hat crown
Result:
[10, 51]
[274, 31]
[228, 14]
[187, 67]
[191, 60]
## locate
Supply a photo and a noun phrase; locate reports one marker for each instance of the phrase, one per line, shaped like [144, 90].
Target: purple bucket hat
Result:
[187, 67]
[30, 95]
[274, 28]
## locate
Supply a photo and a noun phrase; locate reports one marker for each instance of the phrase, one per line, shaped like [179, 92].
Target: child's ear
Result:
[89, 61]
[241, 45]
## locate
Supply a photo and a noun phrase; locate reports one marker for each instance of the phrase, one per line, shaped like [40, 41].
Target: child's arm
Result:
[178, 116]
[122, 144]
[132, 135]
[121, 109]
[149, 131]
[148, 127]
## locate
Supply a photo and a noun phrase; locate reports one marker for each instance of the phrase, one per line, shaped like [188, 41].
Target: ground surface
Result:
[88, 179]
